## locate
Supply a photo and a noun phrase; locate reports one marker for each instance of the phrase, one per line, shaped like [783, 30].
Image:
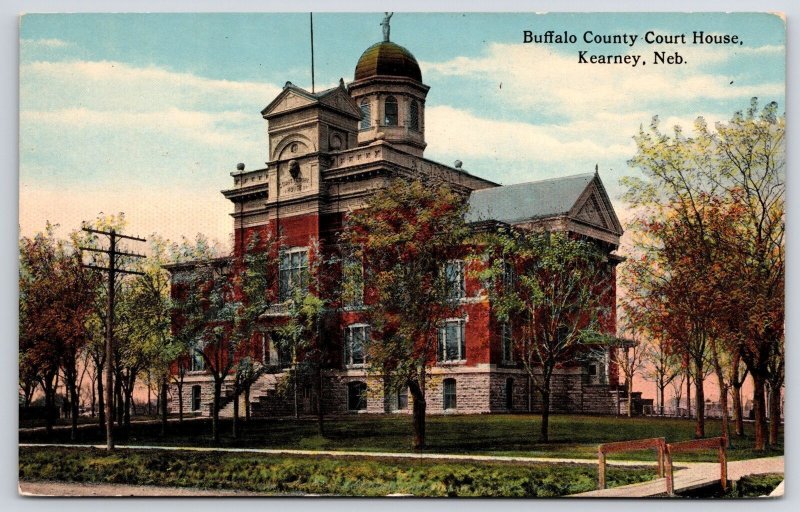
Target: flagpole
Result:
[311, 19]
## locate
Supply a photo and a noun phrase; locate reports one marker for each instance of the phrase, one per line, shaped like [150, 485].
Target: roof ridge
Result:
[560, 178]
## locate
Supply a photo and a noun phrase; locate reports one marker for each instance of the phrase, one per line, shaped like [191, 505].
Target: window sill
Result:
[360, 366]
[453, 362]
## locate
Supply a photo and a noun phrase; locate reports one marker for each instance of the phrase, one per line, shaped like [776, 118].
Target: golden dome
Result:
[387, 59]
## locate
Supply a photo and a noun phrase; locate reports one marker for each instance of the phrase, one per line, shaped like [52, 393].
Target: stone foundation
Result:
[478, 391]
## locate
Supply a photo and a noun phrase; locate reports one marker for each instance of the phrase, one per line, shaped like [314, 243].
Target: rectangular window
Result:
[353, 282]
[454, 279]
[507, 342]
[280, 354]
[402, 399]
[195, 398]
[293, 273]
[509, 275]
[356, 396]
[452, 345]
[450, 394]
[196, 361]
[355, 338]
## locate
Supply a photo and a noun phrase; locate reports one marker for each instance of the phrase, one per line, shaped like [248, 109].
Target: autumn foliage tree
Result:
[55, 302]
[710, 226]
[557, 291]
[404, 235]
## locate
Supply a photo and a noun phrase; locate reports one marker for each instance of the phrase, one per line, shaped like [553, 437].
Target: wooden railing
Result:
[658, 444]
[713, 443]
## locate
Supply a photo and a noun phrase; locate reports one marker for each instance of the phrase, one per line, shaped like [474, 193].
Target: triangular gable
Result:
[591, 212]
[289, 99]
[594, 207]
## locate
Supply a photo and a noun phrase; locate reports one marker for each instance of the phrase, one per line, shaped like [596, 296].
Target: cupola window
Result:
[365, 115]
[390, 111]
[413, 116]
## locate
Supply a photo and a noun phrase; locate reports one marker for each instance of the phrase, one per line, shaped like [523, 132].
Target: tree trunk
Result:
[179, 386]
[164, 387]
[49, 402]
[73, 391]
[215, 410]
[235, 426]
[700, 401]
[688, 391]
[247, 402]
[723, 404]
[774, 414]
[629, 390]
[128, 401]
[119, 405]
[101, 401]
[544, 431]
[661, 387]
[94, 396]
[738, 413]
[723, 395]
[760, 412]
[320, 410]
[418, 415]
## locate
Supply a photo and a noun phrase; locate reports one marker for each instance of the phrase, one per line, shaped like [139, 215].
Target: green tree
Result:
[217, 306]
[557, 291]
[711, 212]
[151, 347]
[403, 236]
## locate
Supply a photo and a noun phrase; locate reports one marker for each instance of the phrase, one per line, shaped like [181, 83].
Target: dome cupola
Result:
[387, 59]
[388, 89]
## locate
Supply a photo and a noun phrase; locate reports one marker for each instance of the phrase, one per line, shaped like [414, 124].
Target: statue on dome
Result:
[385, 25]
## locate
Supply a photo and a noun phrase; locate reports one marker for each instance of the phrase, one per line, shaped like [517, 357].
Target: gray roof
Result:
[524, 201]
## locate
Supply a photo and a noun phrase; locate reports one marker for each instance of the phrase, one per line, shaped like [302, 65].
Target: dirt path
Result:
[106, 490]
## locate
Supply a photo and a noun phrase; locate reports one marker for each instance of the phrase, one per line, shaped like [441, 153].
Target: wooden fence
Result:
[713, 443]
[657, 443]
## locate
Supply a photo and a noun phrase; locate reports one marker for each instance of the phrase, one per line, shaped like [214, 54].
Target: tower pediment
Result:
[289, 99]
[294, 98]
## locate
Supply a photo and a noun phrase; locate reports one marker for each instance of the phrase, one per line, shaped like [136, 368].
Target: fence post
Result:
[668, 470]
[661, 446]
[601, 469]
[723, 464]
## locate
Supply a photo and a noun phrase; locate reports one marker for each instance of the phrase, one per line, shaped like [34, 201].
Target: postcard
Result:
[515, 255]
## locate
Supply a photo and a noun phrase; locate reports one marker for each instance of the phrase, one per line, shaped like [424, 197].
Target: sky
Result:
[149, 113]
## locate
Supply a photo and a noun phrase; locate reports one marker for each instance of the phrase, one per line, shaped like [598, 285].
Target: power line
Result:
[111, 271]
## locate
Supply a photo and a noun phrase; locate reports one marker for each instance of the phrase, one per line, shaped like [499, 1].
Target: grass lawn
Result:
[316, 475]
[572, 436]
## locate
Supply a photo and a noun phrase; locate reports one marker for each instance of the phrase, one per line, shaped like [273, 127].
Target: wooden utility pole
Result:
[111, 271]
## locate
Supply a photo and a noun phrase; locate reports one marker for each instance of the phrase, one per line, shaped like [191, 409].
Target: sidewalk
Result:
[692, 477]
[377, 455]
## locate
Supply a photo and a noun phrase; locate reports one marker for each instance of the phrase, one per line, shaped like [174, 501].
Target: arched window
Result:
[390, 111]
[195, 398]
[356, 396]
[413, 116]
[449, 394]
[509, 394]
[365, 115]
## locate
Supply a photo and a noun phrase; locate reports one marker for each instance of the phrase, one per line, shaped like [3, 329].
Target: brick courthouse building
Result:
[328, 151]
